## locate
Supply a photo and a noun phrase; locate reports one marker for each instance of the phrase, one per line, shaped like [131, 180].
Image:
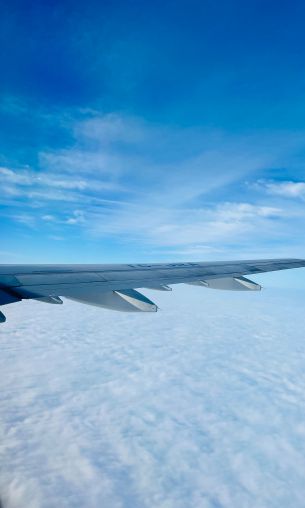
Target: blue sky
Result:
[150, 131]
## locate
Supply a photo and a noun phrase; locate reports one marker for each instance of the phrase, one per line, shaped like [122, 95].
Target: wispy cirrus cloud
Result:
[29, 178]
[126, 179]
[211, 227]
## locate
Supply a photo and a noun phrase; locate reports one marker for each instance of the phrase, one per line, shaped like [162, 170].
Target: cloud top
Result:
[200, 405]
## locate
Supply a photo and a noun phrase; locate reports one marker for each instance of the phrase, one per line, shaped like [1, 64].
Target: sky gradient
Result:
[150, 131]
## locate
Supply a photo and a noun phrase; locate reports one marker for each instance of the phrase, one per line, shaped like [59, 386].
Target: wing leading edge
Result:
[114, 286]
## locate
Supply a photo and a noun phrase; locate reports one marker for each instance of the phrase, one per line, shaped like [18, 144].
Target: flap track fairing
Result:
[229, 283]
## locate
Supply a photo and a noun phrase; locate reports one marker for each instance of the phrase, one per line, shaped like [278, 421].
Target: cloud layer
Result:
[200, 405]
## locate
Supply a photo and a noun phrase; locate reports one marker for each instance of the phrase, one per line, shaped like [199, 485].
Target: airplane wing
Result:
[115, 286]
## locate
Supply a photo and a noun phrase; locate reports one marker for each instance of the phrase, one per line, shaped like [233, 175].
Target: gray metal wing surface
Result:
[114, 286]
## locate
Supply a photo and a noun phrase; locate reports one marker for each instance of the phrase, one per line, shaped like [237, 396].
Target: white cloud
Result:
[287, 189]
[199, 405]
[241, 211]
[49, 218]
[114, 128]
[187, 226]
[78, 217]
[83, 162]
[30, 178]
[25, 218]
